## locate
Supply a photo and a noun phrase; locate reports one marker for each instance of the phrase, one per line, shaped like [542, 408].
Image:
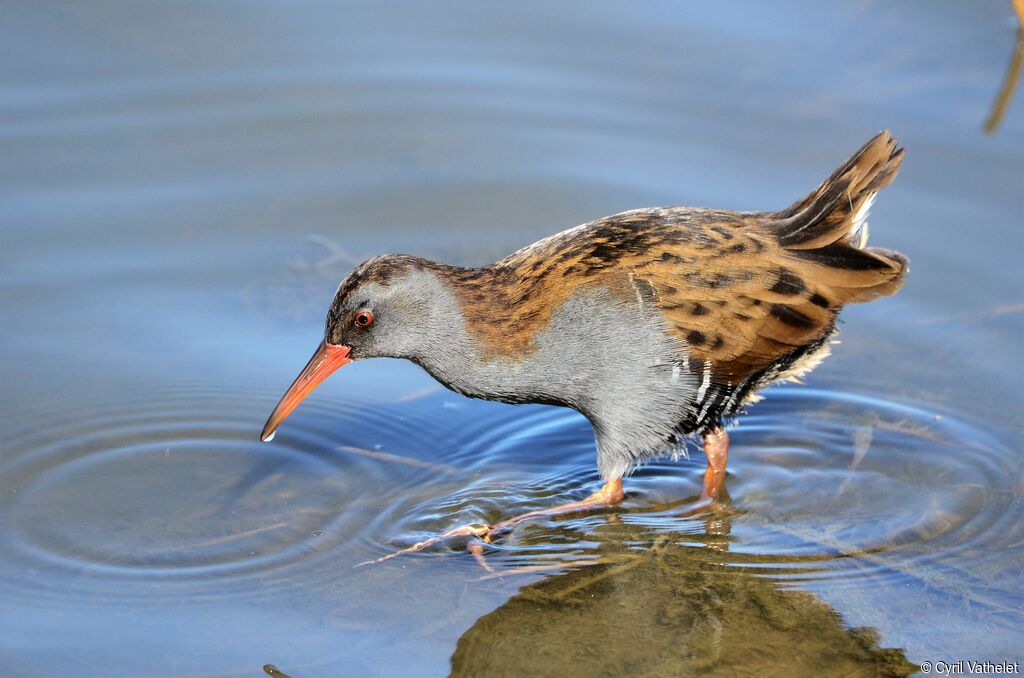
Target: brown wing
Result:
[744, 290]
[738, 299]
[749, 290]
[725, 287]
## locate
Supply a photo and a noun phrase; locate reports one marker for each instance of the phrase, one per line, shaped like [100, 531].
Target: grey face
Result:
[370, 319]
[400, 315]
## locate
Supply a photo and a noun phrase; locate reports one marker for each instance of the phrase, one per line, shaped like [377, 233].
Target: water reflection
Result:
[669, 609]
[812, 470]
[173, 496]
[164, 169]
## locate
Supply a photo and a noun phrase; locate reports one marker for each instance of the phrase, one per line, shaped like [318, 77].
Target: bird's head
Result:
[393, 306]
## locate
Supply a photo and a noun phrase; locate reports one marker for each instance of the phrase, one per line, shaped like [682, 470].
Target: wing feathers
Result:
[749, 292]
[757, 299]
[836, 210]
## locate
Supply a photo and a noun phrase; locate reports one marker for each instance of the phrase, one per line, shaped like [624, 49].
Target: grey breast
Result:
[609, 358]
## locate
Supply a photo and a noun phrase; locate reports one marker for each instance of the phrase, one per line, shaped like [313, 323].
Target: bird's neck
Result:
[467, 308]
[502, 339]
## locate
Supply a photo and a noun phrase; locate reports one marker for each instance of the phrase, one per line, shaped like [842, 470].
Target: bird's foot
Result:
[704, 504]
[713, 497]
[475, 534]
[479, 535]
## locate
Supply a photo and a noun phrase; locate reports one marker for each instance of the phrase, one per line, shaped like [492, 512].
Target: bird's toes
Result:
[415, 548]
[475, 547]
[478, 530]
[477, 533]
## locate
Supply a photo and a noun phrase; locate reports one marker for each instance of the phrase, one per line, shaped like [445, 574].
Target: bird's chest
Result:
[598, 353]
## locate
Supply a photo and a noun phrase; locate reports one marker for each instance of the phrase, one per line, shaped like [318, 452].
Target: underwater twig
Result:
[399, 459]
[1005, 309]
[238, 535]
[531, 569]
[635, 560]
[922, 432]
[338, 255]
[862, 439]
[416, 395]
[860, 557]
[1002, 101]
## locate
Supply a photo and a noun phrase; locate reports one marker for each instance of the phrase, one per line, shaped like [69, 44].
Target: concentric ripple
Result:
[828, 473]
[176, 485]
[821, 484]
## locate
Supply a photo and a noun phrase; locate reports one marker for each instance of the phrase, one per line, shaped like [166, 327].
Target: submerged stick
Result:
[1002, 101]
[994, 312]
[238, 535]
[399, 459]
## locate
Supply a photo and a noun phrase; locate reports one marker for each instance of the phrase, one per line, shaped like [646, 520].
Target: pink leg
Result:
[610, 494]
[716, 448]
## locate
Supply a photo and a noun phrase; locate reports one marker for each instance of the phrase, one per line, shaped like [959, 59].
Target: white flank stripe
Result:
[860, 226]
[704, 411]
[702, 391]
[730, 401]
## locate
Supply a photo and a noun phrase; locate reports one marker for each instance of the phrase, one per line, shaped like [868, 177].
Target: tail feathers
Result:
[837, 210]
[847, 275]
[828, 230]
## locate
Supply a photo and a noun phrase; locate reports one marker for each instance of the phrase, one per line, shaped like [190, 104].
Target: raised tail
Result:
[828, 229]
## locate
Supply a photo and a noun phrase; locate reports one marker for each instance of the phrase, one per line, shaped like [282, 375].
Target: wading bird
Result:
[656, 323]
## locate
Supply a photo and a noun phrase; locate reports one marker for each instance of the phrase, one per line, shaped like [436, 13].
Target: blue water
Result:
[182, 187]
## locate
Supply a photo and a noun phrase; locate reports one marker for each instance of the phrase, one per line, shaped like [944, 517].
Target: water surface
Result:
[182, 188]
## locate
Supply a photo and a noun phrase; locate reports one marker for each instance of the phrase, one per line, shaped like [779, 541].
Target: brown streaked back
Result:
[742, 290]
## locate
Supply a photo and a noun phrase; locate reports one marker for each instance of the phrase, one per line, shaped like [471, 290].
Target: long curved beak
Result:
[328, 357]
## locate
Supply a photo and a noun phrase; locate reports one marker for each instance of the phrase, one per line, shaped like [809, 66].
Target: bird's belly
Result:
[600, 354]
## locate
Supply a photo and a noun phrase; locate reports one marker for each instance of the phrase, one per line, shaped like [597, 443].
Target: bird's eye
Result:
[364, 319]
